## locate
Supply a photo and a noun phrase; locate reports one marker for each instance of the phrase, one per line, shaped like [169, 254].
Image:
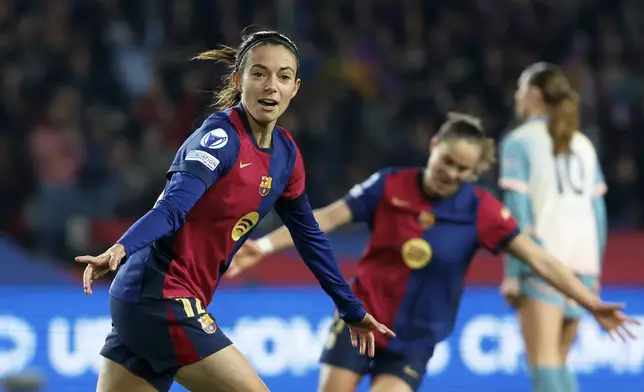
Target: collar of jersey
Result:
[541, 117]
[242, 114]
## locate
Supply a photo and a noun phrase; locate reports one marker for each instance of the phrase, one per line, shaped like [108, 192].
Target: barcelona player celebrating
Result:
[426, 225]
[553, 184]
[224, 179]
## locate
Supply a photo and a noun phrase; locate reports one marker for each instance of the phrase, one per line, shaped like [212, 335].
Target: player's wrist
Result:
[119, 249]
[265, 246]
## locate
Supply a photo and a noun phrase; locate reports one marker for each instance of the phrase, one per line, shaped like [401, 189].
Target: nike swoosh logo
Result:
[243, 165]
[399, 203]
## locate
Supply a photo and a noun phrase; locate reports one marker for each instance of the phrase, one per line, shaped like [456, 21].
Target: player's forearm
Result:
[315, 249]
[601, 221]
[328, 218]
[146, 230]
[553, 271]
[167, 216]
[520, 205]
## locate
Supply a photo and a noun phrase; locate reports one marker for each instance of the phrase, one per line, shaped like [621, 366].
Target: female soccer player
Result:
[554, 186]
[223, 181]
[426, 224]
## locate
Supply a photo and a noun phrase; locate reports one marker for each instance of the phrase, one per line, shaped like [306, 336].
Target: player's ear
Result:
[297, 88]
[433, 143]
[236, 79]
[534, 95]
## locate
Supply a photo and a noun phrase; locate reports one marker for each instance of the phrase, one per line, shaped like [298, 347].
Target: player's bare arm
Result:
[549, 268]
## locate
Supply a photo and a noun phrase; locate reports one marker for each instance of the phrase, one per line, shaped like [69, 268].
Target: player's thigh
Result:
[541, 317]
[336, 379]
[392, 371]
[226, 370]
[123, 369]
[343, 367]
[114, 377]
[389, 383]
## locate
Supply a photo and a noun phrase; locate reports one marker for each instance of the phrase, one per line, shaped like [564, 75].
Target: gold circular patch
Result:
[244, 225]
[416, 253]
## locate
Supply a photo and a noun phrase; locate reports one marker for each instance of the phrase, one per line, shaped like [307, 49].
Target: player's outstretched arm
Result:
[358, 205]
[168, 215]
[329, 218]
[608, 315]
[514, 178]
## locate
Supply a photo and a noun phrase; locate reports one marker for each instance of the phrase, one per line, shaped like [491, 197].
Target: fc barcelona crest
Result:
[426, 219]
[207, 324]
[265, 185]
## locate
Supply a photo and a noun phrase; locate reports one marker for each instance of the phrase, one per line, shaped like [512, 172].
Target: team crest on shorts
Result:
[207, 323]
[426, 219]
[265, 185]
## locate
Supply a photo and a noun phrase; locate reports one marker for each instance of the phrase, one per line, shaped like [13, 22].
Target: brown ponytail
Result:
[562, 103]
[230, 95]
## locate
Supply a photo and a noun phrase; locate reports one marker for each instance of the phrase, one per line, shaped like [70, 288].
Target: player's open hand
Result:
[98, 266]
[610, 317]
[510, 289]
[247, 256]
[362, 334]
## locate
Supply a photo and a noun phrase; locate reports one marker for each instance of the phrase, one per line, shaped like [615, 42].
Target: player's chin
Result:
[446, 190]
[264, 117]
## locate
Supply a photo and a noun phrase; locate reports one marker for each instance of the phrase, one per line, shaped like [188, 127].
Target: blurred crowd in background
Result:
[96, 95]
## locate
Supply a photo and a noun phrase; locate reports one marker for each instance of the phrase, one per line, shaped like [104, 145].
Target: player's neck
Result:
[536, 113]
[426, 188]
[262, 133]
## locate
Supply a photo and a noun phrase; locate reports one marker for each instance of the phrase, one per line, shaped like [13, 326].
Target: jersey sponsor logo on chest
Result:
[416, 253]
[244, 224]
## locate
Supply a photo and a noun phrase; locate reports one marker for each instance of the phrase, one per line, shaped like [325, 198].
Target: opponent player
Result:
[554, 186]
[223, 181]
[426, 225]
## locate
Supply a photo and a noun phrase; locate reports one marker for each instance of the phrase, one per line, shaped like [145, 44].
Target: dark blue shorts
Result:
[154, 338]
[340, 353]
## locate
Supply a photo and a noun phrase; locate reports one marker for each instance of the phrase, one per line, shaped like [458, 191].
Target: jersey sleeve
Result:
[297, 182]
[208, 154]
[515, 166]
[599, 210]
[495, 225]
[363, 198]
[600, 187]
[315, 249]
[181, 193]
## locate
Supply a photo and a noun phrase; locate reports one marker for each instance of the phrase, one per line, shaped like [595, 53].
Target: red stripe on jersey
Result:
[382, 274]
[296, 184]
[224, 213]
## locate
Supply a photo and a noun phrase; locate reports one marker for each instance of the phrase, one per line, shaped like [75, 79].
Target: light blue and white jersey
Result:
[562, 191]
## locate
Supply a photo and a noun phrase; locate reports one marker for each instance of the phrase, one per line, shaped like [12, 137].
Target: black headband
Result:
[263, 37]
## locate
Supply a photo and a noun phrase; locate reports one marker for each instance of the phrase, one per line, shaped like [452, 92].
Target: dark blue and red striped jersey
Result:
[243, 183]
[412, 273]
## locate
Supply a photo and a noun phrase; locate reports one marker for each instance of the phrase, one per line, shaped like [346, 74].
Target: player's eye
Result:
[285, 77]
[258, 74]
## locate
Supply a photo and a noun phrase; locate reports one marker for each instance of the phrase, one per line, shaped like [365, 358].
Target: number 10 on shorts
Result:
[191, 311]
